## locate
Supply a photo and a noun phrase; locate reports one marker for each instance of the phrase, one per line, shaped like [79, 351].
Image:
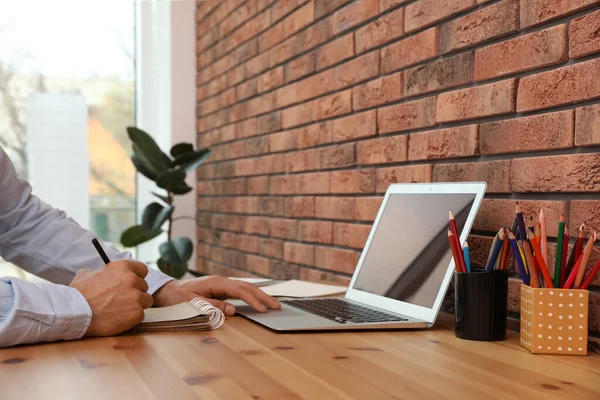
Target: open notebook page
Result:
[296, 288]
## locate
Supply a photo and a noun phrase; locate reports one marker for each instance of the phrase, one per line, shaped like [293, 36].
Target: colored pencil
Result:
[517, 256]
[541, 263]
[576, 251]
[457, 241]
[455, 251]
[587, 252]
[467, 255]
[504, 253]
[543, 237]
[496, 246]
[533, 273]
[591, 276]
[563, 262]
[571, 279]
[559, 250]
[521, 220]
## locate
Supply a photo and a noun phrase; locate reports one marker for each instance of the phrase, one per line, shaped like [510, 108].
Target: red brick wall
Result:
[313, 107]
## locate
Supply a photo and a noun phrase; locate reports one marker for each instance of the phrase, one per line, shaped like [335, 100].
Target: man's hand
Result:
[213, 289]
[116, 294]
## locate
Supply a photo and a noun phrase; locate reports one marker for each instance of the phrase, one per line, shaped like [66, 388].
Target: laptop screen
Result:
[409, 253]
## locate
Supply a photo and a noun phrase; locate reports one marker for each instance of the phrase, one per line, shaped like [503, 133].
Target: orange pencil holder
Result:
[554, 321]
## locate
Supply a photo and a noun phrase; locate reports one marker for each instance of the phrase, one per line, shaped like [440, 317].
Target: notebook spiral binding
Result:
[216, 318]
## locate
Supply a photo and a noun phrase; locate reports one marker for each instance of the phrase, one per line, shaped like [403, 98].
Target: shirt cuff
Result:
[72, 312]
[156, 279]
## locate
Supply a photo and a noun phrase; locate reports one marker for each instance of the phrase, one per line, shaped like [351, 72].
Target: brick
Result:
[283, 7]
[257, 146]
[587, 126]
[524, 53]
[248, 243]
[353, 181]
[560, 86]
[300, 207]
[313, 183]
[495, 213]
[356, 70]
[366, 208]
[335, 259]
[255, 226]
[456, 142]
[283, 184]
[353, 14]
[341, 208]
[246, 128]
[297, 115]
[354, 126]
[534, 12]
[300, 67]
[316, 231]
[270, 80]
[270, 206]
[409, 174]
[258, 185]
[283, 271]
[286, 95]
[257, 65]
[298, 253]
[270, 247]
[334, 52]
[383, 150]
[336, 156]
[246, 205]
[409, 51]
[283, 228]
[485, 24]
[495, 173]
[269, 123]
[412, 115]
[584, 37]
[299, 19]
[387, 4]
[443, 74]
[378, 91]
[350, 235]
[571, 173]
[272, 164]
[304, 160]
[316, 85]
[258, 265]
[314, 275]
[587, 211]
[314, 135]
[427, 12]
[333, 105]
[249, 166]
[312, 36]
[380, 31]
[241, 14]
[324, 7]
[536, 133]
[477, 102]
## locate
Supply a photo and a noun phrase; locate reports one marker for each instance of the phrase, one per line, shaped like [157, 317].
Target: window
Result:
[76, 57]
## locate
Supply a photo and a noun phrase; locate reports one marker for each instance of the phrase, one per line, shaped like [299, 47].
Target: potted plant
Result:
[169, 174]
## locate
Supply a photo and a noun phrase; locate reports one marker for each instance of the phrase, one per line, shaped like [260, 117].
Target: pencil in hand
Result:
[100, 251]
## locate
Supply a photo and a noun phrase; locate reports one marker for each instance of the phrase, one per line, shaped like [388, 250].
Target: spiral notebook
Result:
[197, 315]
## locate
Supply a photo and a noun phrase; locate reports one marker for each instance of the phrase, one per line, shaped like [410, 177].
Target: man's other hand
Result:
[116, 294]
[215, 289]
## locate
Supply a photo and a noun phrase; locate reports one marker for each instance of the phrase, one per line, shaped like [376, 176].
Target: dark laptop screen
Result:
[409, 253]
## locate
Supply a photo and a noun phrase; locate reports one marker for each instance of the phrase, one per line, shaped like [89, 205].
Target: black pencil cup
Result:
[480, 299]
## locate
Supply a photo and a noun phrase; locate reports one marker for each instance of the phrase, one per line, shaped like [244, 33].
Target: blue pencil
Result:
[518, 259]
[497, 246]
[467, 255]
[522, 234]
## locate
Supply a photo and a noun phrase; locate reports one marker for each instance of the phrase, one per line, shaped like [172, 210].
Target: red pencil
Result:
[563, 268]
[571, 280]
[460, 259]
[591, 276]
[455, 252]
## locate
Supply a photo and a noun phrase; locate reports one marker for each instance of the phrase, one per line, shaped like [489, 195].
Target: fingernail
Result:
[229, 309]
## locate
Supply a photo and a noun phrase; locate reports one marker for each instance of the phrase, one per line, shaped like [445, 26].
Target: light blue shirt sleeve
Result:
[45, 242]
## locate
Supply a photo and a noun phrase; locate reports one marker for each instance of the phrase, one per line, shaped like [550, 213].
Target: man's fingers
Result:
[264, 298]
[136, 267]
[146, 300]
[240, 292]
[228, 309]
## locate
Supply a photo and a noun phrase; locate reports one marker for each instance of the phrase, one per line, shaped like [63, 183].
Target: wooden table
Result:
[242, 360]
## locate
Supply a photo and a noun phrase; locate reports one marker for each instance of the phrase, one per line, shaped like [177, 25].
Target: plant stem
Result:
[170, 230]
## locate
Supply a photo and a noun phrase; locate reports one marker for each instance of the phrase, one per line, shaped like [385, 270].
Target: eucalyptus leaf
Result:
[181, 148]
[191, 161]
[137, 235]
[171, 178]
[144, 145]
[177, 251]
[154, 216]
[163, 198]
[176, 271]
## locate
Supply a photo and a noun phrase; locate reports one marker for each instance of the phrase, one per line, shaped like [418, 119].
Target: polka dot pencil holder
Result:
[554, 321]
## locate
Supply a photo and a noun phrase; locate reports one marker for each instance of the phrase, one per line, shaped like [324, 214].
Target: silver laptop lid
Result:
[406, 264]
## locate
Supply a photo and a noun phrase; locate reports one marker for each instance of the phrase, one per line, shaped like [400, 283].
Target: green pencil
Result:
[559, 250]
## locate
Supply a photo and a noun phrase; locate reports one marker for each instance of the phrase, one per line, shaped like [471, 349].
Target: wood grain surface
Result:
[242, 360]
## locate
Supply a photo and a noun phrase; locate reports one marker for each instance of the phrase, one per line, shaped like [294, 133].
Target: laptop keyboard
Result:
[342, 311]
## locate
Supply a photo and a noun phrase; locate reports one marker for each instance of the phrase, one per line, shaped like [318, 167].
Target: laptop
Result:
[404, 269]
